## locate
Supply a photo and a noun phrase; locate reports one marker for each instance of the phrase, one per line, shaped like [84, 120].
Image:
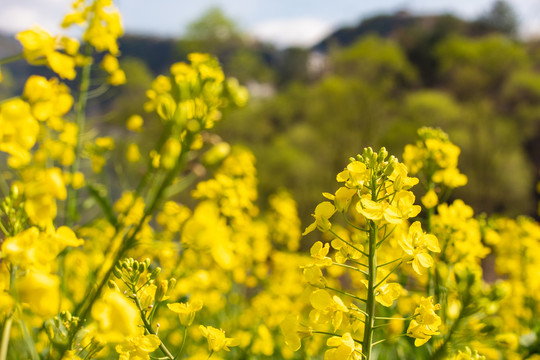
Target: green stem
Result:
[388, 263]
[148, 328]
[347, 242]
[183, 343]
[386, 236]
[346, 293]
[358, 263]
[28, 339]
[387, 275]
[5, 337]
[80, 118]
[332, 334]
[209, 356]
[359, 310]
[350, 267]
[372, 280]
[11, 58]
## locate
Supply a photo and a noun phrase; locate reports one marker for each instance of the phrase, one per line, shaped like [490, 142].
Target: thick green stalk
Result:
[5, 337]
[372, 281]
[80, 119]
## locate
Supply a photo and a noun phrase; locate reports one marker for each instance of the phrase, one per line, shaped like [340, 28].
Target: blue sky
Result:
[285, 22]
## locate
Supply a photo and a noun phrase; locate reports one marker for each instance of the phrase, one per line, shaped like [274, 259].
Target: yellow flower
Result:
[39, 48]
[18, 131]
[404, 201]
[345, 348]
[116, 316]
[319, 252]
[468, 354]
[138, 348]
[323, 212]
[400, 179]
[425, 322]
[416, 245]
[40, 291]
[132, 153]
[186, 311]
[430, 199]
[216, 338]
[135, 123]
[41, 192]
[385, 293]
[355, 175]
[330, 305]
[378, 211]
[292, 332]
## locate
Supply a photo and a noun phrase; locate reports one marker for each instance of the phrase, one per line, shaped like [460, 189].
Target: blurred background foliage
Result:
[372, 84]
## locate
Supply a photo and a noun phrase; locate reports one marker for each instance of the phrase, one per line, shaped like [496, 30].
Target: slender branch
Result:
[183, 343]
[353, 225]
[347, 242]
[387, 275]
[359, 310]
[346, 293]
[388, 263]
[148, 328]
[358, 263]
[332, 334]
[386, 236]
[378, 342]
[351, 267]
[391, 318]
[11, 58]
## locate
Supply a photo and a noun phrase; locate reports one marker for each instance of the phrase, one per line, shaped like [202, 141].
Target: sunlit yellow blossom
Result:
[116, 316]
[355, 175]
[404, 201]
[319, 252]
[314, 276]
[132, 153]
[40, 291]
[135, 123]
[425, 322]
[385, 293]
[41, 194]
[49, 99]
[39, 48]
[292, 332]
[323, 212]
[345, 348]
[416, 245]
[18, 131]
[400, 179]
[138, 347]
[216, 338]
[430, 199]
[331, 305]
[377, 211]
[468, 354]
[186, 311]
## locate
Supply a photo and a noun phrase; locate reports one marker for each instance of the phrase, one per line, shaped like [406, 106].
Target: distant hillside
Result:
[8, 45]
[395, 25]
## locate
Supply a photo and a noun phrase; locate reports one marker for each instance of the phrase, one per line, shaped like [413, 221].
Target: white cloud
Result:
[23, 14]
[292, 32]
